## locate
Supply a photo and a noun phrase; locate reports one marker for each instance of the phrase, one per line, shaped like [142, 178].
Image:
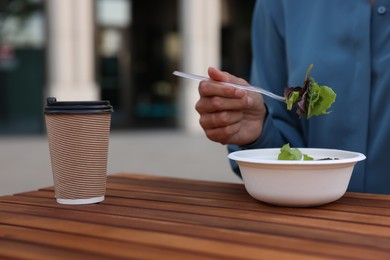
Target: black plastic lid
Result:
[77, 107]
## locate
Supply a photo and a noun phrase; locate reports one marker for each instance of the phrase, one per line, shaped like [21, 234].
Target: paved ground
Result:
[25, 160]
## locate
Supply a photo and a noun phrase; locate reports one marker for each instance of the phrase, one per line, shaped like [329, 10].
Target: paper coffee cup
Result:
[78, 134]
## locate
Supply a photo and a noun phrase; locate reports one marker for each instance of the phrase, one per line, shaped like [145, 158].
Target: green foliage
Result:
[288, 153]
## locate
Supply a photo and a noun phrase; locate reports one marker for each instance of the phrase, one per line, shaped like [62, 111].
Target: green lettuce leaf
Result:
[319, 99]
[311, 99]
[292, 99]
[288, 153]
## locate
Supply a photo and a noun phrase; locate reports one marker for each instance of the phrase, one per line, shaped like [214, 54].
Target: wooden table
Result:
[166, 218]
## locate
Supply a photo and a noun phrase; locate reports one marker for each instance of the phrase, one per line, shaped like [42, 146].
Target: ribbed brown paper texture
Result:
[79, 151]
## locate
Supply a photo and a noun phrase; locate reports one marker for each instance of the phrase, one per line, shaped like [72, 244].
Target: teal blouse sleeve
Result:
[347, 41]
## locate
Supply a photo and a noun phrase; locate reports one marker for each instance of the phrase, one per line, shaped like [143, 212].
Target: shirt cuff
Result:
[265, 140]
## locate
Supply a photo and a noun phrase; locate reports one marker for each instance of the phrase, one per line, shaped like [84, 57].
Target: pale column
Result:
[71, 50]
[200, 30]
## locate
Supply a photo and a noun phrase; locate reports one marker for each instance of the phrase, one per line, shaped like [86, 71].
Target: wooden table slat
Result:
[148, 217]
[91, 245]
[241, 237]
[184, 213]
[150, 238]
[11, 249]
[347, 201]
[310, 217]
[241, 224]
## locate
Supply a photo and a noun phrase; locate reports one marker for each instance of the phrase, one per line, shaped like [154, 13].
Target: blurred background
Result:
[123, 51]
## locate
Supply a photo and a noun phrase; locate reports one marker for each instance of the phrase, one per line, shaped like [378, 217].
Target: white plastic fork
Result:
[240, 86]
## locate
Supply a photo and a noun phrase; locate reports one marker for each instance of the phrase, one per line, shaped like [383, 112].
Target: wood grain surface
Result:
[149, 217]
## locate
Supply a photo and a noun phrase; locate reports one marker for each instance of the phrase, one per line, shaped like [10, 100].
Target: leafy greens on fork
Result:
[311, 99]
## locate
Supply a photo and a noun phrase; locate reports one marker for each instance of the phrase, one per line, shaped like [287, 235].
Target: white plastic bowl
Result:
[296, 183]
